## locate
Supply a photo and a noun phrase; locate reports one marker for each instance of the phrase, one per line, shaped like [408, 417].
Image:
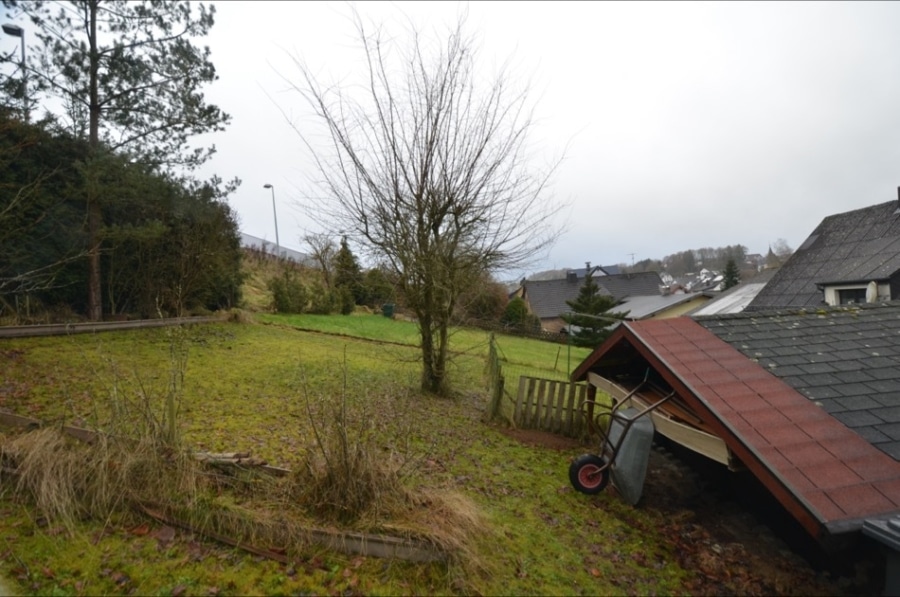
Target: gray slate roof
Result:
[845, 359]
[547, 298]
[856, 246]
[625, 285]
[639, 307]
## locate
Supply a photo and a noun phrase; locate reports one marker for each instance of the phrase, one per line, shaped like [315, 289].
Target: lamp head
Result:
[14, 30]
[267, 186]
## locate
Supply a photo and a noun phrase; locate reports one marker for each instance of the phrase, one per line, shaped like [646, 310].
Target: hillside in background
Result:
[689, 261]
[257, 268]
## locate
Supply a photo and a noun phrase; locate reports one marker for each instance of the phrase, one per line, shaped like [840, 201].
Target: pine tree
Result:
[132, 81]
[732, 275]
[591, 313]
[347, 273]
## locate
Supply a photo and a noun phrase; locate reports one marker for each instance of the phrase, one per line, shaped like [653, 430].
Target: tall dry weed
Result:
[70, 480]
[358, 457]
[364, 469]
[135, 454]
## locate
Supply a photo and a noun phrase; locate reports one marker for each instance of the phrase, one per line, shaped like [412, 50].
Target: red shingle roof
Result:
[825, 474]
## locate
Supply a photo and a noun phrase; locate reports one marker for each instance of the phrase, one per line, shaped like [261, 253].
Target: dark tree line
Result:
[340, 285]
[167, 245]
[694, 260]
[714, 259]
[130, 80]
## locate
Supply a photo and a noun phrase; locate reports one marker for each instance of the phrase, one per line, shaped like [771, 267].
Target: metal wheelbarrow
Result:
[626, 435]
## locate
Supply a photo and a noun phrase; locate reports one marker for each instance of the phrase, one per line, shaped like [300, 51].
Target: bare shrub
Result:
[352, 468]
[363, 469]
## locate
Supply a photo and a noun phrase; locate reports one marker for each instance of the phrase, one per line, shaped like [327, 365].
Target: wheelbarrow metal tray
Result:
[630, 466]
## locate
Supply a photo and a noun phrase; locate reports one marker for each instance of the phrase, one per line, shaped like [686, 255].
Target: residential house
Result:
[851, 257]
[548, 298]
[754, 262]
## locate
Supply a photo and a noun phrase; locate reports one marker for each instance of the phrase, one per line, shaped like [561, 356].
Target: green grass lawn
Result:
[245, 388]
[524, 355]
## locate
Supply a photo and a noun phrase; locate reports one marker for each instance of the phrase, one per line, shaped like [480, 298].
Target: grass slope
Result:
[243, 390]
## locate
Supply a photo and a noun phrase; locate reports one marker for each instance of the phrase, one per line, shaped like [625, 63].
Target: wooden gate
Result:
[550, 405]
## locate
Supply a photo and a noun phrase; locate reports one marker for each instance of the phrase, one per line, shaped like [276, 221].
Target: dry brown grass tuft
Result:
[451, 522]
[239, 316]
[135, 455]
[71, 480]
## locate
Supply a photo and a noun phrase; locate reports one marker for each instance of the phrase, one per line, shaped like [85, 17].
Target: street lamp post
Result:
[16, 31]
[275, 214]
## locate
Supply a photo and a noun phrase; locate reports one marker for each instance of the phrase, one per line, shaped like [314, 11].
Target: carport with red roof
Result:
[826, 475]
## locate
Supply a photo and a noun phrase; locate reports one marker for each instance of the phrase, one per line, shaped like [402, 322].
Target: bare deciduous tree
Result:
[430, 170]
[782, 249]
[322, 250]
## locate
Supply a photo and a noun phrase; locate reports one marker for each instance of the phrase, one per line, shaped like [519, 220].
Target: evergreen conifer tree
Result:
[732, 275]
[132, 79]
[347, 273]
[591, 316]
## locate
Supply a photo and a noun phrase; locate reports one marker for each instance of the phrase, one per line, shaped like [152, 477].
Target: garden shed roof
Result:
[827, 475]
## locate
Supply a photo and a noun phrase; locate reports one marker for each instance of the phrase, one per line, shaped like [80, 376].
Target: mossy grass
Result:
[243, 390]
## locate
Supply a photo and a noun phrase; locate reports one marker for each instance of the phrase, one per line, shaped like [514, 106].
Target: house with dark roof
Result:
[548, 298]
[807, 401]
[851, 257]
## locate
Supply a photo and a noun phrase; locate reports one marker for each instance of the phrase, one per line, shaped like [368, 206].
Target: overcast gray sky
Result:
[687, 125]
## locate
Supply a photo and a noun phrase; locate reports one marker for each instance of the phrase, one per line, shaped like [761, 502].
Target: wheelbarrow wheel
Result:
[589, 474]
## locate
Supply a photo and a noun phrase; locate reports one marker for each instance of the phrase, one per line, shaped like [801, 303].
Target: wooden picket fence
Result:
[550, 405]
[547, 404]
